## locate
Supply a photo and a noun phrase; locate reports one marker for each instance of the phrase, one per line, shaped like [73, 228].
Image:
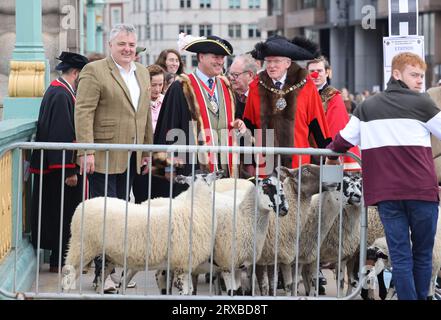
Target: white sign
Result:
[403, 18]
[394, 45]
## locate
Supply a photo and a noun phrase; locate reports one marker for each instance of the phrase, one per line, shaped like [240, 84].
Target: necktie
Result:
[210, 83]
[278, 85]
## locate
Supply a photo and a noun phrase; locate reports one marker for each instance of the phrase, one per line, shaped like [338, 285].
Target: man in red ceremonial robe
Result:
[335, 110]
[284, 98]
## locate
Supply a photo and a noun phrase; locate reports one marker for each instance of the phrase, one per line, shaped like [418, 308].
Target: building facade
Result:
[353, 42]
[159, 23]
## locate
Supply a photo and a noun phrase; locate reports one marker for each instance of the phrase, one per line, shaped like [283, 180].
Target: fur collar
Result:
[326, 95]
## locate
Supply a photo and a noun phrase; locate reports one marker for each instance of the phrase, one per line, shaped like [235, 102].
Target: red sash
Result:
[58, 83]
[203, 109]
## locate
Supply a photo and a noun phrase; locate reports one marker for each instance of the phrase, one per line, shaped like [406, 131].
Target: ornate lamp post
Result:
[91, 26]
[29, 75]
[99, 7]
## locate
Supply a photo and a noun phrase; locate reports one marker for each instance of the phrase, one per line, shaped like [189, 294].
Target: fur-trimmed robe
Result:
[302, 117]
[180, 106]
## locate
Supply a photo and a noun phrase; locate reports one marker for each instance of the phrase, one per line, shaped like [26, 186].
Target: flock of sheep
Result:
[231, 225]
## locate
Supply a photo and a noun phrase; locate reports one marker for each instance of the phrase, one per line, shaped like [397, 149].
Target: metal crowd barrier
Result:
[49, 286]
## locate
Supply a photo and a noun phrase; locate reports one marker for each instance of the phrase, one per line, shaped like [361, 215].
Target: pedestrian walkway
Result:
[48, 283]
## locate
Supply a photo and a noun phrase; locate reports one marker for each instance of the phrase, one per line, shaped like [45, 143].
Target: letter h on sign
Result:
[403, 18]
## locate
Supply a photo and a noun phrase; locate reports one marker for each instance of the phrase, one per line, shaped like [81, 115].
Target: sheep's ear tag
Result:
[332, 173]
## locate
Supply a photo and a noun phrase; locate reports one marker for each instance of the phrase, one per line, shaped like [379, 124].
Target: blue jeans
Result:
[411, 262]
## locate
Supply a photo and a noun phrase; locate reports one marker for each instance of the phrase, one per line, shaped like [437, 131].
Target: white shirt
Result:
[321, 87]
[282, 80]
[131, 82]
[70, 87]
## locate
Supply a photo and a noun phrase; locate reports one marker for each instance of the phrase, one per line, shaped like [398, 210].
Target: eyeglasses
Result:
[235, 75]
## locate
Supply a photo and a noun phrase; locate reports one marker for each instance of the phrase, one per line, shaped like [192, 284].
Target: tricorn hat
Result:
[71, 60]
[298, 49]
[210, 44]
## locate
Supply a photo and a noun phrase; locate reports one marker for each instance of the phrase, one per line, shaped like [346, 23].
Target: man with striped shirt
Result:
[393, 130]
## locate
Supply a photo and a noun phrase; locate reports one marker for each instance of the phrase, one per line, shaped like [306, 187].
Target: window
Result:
[139, 32]
[115, 15]
[205, 3]
[308, 4]
[234, 4]
[253, 31]
[234, 31]
[254, 4]
[147, 31]
[205, 30]
[185, 28]
[185, 3]
[194, 61]
[161, 31]
[275, 7]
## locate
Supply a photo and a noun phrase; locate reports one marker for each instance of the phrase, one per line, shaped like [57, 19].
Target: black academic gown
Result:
[55, 124]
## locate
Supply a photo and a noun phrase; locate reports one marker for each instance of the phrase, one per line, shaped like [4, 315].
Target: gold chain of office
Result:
[283, 92]
[281, 102]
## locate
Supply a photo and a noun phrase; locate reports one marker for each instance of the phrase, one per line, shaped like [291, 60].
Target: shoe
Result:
[109, 286]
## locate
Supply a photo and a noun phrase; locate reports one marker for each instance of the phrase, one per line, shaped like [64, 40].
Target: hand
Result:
[90, 164]
[239, 125]
[332, 162]
[71, 181]
[169, 175]
[145, 163]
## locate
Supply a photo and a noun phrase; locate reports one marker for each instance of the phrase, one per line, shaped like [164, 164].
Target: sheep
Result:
[137, 235]
[351, 215]
[310, 178]
[245, 221]
[245, 212]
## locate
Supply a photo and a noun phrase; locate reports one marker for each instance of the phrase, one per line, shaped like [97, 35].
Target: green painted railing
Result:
[17, 257]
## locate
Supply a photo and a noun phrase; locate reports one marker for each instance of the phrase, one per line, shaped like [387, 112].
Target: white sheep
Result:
[245, 222]
[310, 183]
[139, 236]
[268, 198]
[350, 238]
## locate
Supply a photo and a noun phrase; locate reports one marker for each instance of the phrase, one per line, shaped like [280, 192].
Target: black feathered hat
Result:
[211, 44]
[298, 49]
[71, 60]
